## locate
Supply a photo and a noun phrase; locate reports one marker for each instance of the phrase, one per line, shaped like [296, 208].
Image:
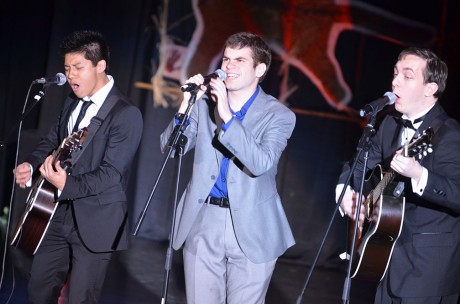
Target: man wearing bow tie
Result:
[425, 263]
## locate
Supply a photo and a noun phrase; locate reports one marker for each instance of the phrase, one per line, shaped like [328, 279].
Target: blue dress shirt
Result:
[220, 187]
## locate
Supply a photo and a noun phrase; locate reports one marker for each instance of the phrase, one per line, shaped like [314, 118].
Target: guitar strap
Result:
[93, 126]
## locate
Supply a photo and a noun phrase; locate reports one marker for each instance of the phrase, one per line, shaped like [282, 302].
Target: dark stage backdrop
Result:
[323, 139]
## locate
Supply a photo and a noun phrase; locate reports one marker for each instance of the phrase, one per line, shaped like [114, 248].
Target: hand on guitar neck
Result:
[406, 166]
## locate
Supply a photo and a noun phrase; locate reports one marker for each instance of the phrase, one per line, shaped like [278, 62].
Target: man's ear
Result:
[260, 69]
[430, 89]
[101, 66]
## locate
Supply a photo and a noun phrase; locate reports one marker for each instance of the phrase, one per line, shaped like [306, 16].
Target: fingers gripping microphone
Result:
[188, 87]
[375, 106]
[59, 79]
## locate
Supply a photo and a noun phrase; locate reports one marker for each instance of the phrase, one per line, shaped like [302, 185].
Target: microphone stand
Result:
[37, 98]
[3, 144]
[176, 142]
[363, 145]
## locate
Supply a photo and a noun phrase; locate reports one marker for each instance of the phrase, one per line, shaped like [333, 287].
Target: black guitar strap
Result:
[93, 126]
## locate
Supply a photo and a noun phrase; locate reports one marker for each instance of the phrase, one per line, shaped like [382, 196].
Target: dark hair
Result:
[89, 43]
[435, 70]
[260, 50]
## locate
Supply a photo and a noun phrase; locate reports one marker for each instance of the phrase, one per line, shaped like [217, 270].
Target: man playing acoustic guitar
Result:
[90, 221]
[425, 262]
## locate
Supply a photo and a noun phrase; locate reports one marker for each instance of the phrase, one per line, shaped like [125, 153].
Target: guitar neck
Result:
[386, 180]
[57, 155]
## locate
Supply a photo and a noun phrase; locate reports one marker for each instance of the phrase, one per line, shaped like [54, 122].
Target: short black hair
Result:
[89, 43]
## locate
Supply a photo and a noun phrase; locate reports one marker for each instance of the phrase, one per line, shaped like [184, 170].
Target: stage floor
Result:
[137, 276]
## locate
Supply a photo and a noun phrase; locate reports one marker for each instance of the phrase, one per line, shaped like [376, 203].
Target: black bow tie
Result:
[407, 123]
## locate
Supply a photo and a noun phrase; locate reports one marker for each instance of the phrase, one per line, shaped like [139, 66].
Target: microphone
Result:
[188, 87]
[59, 79]
[375, 106]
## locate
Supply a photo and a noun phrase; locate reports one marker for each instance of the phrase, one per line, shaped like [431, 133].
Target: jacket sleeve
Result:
[108, 166]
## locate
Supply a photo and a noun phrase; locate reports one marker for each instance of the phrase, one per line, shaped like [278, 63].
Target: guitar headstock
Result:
[70, 144]
[420, 146]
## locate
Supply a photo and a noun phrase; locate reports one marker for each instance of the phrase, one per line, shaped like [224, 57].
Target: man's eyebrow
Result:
[404, 69]
[237, 58]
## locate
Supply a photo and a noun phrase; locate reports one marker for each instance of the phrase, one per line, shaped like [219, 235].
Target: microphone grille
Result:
[62, 79]
[391, 98]
[221, 74]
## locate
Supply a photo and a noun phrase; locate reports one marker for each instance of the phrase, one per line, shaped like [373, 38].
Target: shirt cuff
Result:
[29, 182]
[178, 117]
[226, 125]
[419, 187]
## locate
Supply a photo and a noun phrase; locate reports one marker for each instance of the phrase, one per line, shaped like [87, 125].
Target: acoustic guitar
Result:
[384, 216]
[41, 202]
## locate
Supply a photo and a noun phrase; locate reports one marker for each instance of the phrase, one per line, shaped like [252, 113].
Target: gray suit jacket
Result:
[255, 147]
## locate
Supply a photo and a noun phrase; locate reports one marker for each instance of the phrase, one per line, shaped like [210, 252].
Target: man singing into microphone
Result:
[89, 223]
[425, 264]
[230, 215]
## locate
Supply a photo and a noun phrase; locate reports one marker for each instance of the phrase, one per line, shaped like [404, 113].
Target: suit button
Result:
[213, 177]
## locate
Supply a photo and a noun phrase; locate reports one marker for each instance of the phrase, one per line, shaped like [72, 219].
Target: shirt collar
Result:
[99, 97]
[417, 116]
[242, 112]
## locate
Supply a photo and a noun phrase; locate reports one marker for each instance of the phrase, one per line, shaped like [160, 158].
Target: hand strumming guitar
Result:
[349, 203]
[23, 174]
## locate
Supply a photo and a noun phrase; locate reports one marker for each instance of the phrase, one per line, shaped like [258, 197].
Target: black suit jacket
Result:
[98, 180]
[426, 257]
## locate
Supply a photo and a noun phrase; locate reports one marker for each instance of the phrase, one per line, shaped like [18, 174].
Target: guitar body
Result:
[381, 229]
[384, 215]
[41, 201]
[40, 207]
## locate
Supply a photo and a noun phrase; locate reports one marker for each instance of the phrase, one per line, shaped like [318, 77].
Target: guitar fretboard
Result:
[386, 180]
